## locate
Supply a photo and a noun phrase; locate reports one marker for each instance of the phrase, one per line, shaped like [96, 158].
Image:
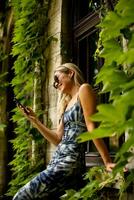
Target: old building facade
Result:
[73, 26]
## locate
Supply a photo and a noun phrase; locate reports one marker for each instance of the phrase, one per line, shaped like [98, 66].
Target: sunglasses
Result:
[56, 82]
[56, 78]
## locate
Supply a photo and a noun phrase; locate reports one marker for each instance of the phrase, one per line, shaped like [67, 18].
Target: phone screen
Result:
[21, 106]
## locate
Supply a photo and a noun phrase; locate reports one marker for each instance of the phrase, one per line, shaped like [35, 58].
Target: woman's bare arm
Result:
[52, 136]
[88, 102]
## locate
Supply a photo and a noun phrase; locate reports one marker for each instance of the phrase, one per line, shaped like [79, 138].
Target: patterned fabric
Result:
[66, 166]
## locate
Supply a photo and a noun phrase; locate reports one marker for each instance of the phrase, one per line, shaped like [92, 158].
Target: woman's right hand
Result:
[29, 114]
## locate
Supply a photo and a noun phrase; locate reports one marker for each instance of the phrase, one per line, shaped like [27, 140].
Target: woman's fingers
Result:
[110, 166]
[28, 113]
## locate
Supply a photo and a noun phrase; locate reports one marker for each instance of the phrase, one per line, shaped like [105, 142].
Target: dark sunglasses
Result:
[56, 82]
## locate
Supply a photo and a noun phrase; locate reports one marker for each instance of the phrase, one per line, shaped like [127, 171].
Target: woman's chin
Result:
[63, 91]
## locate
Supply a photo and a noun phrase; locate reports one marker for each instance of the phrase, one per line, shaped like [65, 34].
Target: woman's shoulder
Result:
[84, 87]
[86, 91]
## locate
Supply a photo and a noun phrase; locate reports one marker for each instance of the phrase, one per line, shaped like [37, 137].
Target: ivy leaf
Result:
[126, 10]
[109, 113]
[117, 77]
[111, 77]
[126, 146]
[111, 52]
[128, 57]
[128, 85]
[107, 26]
[96, 133]
[124, 101]
[106, 111]
[103, 71]
[121, 17]
[68, 195]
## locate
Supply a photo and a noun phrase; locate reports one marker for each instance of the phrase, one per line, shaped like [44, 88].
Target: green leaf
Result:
[128, 57]
[124, 101]
[107, 26]
[30, 21]
[112, 51]
[126, 146]
[128, 85]
[116, 77]
[126, 10]
[120, 18]
[108, 112]
[96, 133]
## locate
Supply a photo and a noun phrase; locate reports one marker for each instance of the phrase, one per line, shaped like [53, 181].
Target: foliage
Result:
[30, 17]
[3, 84]
[117, 116]
[2, 54]
[97, 179]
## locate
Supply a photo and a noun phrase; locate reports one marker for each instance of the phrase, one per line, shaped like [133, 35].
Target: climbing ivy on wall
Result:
[29, 43]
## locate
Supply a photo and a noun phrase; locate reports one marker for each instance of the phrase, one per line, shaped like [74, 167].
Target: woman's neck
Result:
[74, 92]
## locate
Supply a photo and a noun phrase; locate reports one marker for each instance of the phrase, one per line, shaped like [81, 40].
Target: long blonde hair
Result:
[78, 80]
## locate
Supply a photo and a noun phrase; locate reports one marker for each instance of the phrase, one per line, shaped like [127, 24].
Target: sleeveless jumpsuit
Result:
[66, 166]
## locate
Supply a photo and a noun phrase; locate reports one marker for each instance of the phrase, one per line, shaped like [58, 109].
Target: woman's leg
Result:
[45, 184]
[34, 188]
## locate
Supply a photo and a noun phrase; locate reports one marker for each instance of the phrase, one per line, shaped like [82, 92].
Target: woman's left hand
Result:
[110, 166]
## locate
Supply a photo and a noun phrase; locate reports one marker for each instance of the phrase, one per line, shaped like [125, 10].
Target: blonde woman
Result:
[67, 164]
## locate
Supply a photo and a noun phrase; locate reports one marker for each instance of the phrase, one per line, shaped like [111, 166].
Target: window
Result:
[85, 37]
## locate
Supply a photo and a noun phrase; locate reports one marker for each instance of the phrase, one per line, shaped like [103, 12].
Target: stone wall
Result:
[53, 54]
[58, 51]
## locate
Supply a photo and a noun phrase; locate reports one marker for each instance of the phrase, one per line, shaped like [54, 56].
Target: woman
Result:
[67, 164]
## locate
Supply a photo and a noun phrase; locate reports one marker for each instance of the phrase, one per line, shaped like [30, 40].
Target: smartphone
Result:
[21, 106]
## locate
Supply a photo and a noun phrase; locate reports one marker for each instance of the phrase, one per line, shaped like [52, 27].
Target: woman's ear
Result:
[71, 74]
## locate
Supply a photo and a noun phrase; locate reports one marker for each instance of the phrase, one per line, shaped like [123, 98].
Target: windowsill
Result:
[94, 159]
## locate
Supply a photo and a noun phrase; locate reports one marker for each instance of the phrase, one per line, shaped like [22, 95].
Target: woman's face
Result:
[63, 81]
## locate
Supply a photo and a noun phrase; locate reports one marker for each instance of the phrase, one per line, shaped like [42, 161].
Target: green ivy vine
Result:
[29, 43]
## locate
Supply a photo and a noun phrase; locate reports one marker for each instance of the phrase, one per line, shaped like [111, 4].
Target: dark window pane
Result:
[85, 50]
[83, 8]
